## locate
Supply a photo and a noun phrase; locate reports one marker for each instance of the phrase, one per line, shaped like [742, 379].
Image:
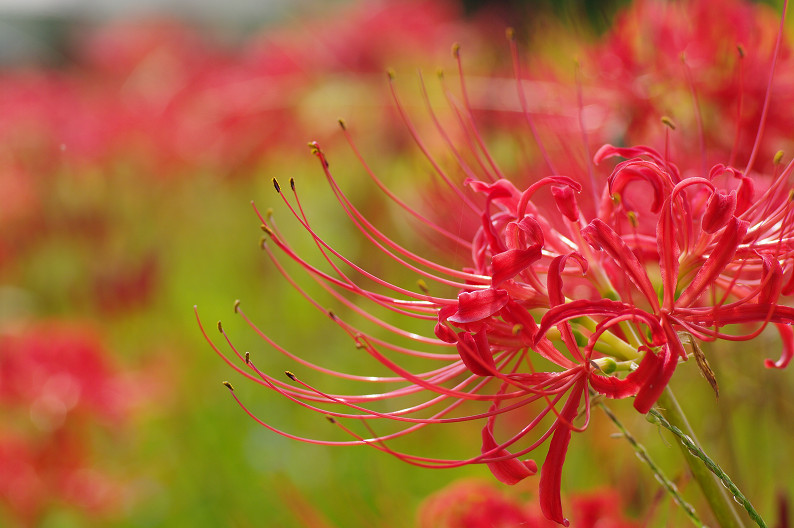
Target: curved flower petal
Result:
[601, 236]
[554, 279]
[565, 198]
[650, 172]
[772, 280]
[744, 195]
[616, 388]
[745, 313]
[509, 471]
[610, 151]
[787, 336]
[606, 307]
[725, 249]
[508, 264]
[660, 375]
[442, 331]
[528, 229]
[476, 353]
[719, 210]
[500, 191]
[526, 196]
[477, 305]
[669, 251]
[551, 472]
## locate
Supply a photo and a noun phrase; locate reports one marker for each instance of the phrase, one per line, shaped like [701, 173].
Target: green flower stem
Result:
[711, 465]
[642, 454]
[717, 496]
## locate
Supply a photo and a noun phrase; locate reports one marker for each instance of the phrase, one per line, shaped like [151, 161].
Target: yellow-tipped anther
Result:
[740, 49]
[456, 50]
[290, 375]
[778, 157]
[292, 183]
[510, 33]
[668, 122]
[237, 306]
[632, 216]
[517, 328]
[228, 386]
[276, 185]
[390, 74]
[220, 327]
[423, 286]
[330, 418]
[247, 358]
[342, 123]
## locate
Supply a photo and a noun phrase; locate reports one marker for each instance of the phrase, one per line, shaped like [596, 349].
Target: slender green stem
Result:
[711, 465]
[717, 496]
[642, 454]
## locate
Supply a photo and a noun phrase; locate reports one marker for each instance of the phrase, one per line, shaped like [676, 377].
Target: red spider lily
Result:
[559, 295]
[56, 383]
[718, 53]
[474, 504]
[58, 368]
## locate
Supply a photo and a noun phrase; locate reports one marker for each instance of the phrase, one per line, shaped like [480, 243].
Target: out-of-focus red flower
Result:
[57, 382]
[475, 504]
[163, 100]
[660, 56]
[57, 368]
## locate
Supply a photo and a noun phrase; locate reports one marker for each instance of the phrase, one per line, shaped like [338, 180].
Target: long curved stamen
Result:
[382, 186]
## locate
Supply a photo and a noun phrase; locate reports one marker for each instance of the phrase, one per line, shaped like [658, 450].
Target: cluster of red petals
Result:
[474, 504]
[56, 384]
[657, 51]
[574, 288]
[163, 101]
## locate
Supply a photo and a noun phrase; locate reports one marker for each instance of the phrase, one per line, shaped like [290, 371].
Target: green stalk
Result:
[738, 496]
[722, 506]
[642, 454]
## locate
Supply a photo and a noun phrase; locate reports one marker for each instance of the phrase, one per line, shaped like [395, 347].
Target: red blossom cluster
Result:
[56, 385]
[583, 284]
[665, 60]
[164, 100]
[474, 504]
[161, 102]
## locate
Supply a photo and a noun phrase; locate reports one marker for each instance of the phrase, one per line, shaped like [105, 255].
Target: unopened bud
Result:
[607, 365]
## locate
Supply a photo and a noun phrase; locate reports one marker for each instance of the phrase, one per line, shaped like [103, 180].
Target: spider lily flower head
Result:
[574, 289]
